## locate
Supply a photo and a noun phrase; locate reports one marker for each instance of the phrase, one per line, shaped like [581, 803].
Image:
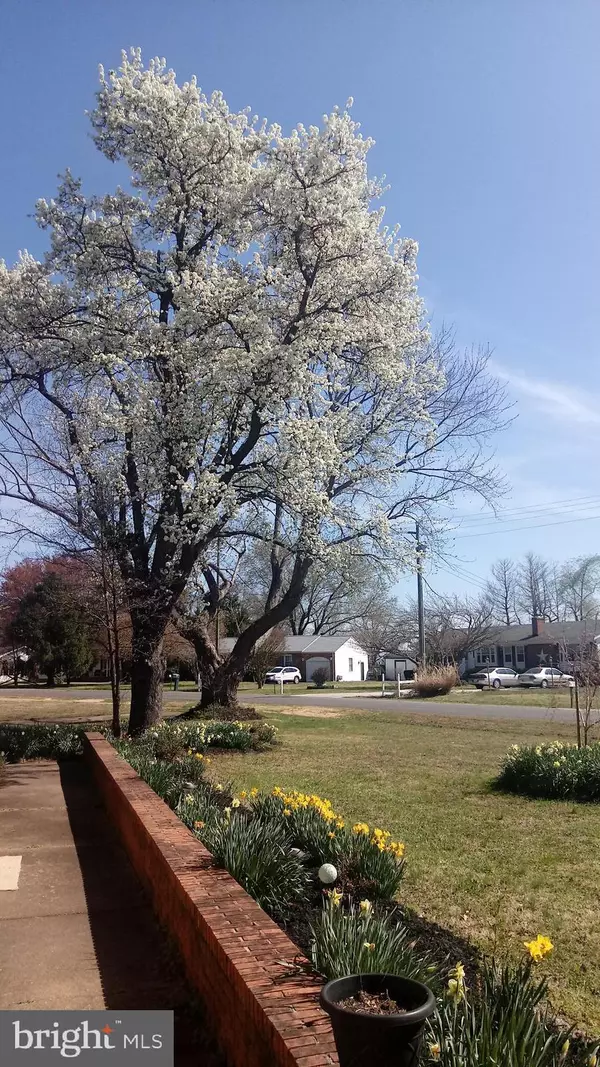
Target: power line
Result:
[542, 513]
[463, 578]
[535, 526]
[506, 514]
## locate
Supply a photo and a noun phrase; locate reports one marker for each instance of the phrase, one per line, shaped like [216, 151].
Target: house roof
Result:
[551, 633]
[307, 643]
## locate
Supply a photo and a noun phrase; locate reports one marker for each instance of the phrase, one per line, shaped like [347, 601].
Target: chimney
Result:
[537, 625]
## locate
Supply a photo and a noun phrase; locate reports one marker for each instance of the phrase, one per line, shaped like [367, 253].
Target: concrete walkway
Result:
[78, 932]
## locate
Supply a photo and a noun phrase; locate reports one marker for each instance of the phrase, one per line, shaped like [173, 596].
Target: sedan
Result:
[495, 678]
[283, 674]
[545, 676]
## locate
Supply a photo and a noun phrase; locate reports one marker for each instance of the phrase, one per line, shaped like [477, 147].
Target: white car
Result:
[283, 674]
[545, 676]
[495, 678]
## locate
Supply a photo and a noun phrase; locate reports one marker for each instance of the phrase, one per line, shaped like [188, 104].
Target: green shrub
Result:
[434, 681]
[357, 941]
[500, 1022]
[320, 677]
[258, 856]
[42, 740]
[556, 771]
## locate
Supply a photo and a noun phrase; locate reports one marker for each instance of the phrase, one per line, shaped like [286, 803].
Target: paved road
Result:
[337, 699]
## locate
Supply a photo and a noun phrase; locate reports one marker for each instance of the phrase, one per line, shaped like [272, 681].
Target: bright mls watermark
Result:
[91, 1037]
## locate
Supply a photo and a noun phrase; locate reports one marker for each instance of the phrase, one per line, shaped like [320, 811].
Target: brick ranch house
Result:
[535, 644]
[339, 654]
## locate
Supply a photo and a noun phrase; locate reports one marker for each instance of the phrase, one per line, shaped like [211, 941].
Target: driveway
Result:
[336, 699]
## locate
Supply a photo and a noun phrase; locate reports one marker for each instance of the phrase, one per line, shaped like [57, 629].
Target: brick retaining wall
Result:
[234, 954]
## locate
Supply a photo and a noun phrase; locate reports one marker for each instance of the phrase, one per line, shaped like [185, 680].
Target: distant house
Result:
[339, 654]
[398, 663]
[553, 644]
[12, 661]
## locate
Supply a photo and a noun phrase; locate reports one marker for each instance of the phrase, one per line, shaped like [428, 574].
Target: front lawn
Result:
[497, 869]
[543, 698]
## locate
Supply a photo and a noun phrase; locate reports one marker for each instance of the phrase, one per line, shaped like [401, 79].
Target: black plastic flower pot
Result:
[365, 1040]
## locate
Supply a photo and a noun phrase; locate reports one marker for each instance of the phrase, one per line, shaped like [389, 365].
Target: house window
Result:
[520, 650]
[486, 654]
[508, 655]
[350, 664]
[287, 660]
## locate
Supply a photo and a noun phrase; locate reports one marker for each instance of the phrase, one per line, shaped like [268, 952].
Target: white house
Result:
[396, 664]
[339, 654]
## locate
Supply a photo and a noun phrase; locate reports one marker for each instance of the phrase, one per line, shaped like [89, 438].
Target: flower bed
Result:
[281, 847]
[557, 771]
[64, 740]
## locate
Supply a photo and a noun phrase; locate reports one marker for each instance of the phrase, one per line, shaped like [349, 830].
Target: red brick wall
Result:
[263, 1016]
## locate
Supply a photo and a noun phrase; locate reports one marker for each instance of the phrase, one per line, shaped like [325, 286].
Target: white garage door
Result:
[314, 663]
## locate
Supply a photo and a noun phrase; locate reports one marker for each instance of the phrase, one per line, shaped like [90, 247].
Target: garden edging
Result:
[242, 965]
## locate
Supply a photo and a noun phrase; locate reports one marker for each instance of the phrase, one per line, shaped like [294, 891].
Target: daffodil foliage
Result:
[232, 335]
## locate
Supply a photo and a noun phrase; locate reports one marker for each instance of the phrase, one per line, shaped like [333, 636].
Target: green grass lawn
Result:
[544, 698]
[497, 869]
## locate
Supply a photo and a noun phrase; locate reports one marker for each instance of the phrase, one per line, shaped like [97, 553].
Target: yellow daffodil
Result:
[456, 987]
[199, 825]
[360, 828]
[336, 897]
[243, 794]
[331, 834]
[369, 945]
[539, 947]
[366, 907]
[235, 803]
[435, 1051]
[286, 812]
[565, 1048]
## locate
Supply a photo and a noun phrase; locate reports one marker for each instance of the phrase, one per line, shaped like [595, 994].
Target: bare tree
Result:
[456, 626]
[264, 655]
[502, 591]
[534, 587]
[580, 585]
[387, 628]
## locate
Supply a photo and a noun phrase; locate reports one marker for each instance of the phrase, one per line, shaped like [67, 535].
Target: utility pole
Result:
[421, 608]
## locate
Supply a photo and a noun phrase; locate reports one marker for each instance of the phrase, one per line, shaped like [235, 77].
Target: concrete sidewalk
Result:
[78, 931]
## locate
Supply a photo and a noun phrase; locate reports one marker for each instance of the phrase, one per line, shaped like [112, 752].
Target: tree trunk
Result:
[50, 677]
[221, 688]
[208, 660]
[147, 668]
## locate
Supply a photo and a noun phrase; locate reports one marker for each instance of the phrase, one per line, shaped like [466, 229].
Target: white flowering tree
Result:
[228, 347]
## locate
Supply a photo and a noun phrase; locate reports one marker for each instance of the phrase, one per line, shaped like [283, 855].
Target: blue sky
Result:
[484, 114]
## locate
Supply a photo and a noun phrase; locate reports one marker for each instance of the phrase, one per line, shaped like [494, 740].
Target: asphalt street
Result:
[336, 699]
